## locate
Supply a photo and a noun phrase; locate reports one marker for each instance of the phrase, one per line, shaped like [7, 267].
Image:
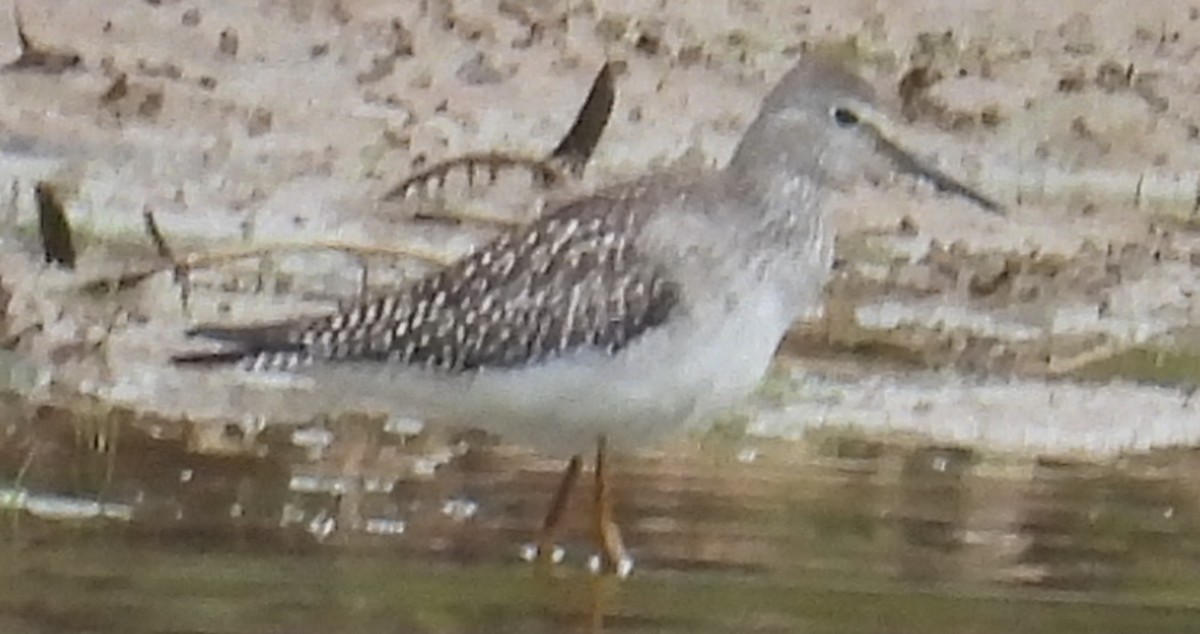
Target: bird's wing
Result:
[570, 280]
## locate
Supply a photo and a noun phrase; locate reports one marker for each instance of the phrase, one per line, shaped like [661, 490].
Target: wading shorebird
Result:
[624, 316]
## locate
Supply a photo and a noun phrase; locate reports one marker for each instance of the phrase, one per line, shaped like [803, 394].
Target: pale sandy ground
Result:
[285, 121]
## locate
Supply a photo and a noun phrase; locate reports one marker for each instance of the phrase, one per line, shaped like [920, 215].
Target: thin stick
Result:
[165, 251]
[205, 260]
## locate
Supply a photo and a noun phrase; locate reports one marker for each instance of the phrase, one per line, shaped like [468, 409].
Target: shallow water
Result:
[117, 524]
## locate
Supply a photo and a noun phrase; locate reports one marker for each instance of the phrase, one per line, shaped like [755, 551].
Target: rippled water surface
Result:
[116, 524]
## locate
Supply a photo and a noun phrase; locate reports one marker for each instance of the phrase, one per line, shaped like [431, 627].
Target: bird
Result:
[617, 319]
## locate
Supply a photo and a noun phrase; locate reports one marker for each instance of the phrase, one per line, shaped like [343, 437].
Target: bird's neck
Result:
[776, 198]
[782, 214]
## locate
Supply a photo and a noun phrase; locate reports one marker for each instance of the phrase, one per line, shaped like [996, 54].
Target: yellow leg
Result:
[614, 559]
[554, 515]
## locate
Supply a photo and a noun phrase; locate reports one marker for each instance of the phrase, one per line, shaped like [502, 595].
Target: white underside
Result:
[678, 375]
[682, 373]
[741, 290]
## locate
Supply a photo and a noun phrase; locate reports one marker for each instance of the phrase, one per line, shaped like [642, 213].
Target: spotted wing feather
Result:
[571, 280]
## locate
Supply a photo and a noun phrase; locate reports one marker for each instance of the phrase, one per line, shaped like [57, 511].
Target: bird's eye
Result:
[844, 117]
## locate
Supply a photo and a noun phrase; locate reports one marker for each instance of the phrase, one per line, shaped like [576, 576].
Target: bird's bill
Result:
[881, 128]
[908, 164]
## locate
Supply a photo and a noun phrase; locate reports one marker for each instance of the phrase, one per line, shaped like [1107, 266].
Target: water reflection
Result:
[117, 523]
[933, 510]
[1090, 528]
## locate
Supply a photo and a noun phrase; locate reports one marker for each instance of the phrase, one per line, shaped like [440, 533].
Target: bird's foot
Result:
[603, 564]
[542, 554]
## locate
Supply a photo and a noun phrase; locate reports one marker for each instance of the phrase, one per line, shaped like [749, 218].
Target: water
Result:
[112, 523]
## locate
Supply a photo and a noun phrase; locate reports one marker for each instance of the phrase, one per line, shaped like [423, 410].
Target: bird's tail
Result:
[210, 358]
[247, 341]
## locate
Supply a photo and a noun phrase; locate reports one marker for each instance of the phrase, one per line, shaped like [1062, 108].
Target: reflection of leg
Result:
[602, 596]
[613, 557]
[554, 515]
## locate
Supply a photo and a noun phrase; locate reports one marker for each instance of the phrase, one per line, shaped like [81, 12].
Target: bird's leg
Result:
[558, 506]
[614, 559]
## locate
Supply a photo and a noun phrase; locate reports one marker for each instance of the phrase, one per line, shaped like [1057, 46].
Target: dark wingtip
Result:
[249, 341]
[209, 358]
[218, 333]
[266, 336]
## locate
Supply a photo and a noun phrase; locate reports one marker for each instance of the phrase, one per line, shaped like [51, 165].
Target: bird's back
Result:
[573, 279]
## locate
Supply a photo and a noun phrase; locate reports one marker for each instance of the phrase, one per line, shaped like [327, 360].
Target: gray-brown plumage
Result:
[629, 312]
[622, 315]
[567, 281]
